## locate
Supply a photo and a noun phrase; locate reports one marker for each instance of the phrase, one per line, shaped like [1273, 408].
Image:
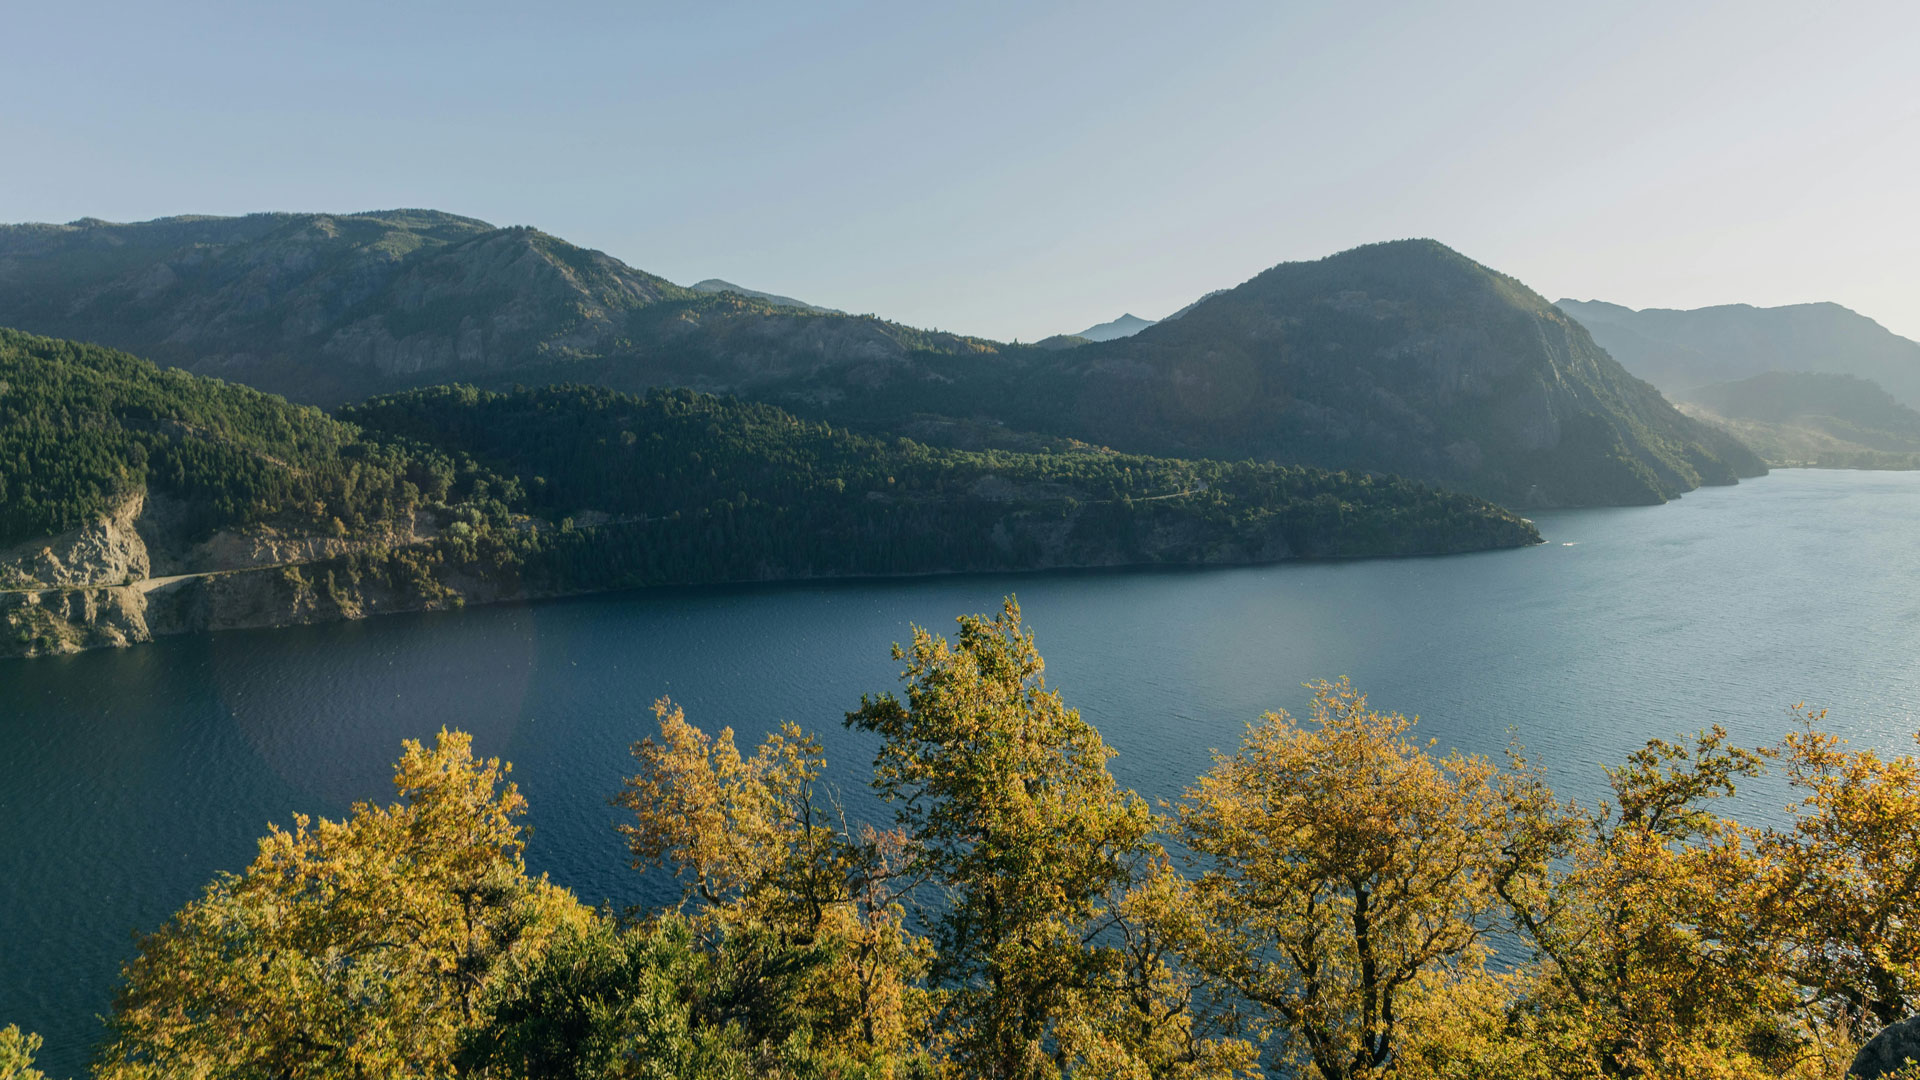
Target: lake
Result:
[131, 777]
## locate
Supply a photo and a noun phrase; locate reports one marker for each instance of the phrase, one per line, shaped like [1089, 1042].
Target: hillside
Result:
[329, 308]
[137, 501]
[1403, 358]
[762, 494]
[1821, 420]
[1681, 350]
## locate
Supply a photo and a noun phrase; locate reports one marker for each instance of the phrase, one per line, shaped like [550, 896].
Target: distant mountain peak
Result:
[720, 285]
[1125, 326]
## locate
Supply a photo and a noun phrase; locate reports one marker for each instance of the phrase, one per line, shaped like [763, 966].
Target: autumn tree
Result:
[1147, 1010]
[1843, 882]
[661, 1001]
[356, 948]
[1343, 869]
[763, 856]
[1643, 916]
[16, 1054]
[1004, 796]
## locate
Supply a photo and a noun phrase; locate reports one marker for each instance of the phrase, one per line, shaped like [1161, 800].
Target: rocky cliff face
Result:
[130, 576]
[109, 551]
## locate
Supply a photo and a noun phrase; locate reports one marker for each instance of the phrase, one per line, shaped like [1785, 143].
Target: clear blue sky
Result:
[1016, 169]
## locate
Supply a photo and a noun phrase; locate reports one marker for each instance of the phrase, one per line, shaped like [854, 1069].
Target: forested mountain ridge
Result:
[814, 500]
[328, 308]
[82, 428]
[1679, 351]
[1403, 357]
[138, 501]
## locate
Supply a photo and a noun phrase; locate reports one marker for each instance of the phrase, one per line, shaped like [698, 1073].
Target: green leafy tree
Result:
[655, 1002]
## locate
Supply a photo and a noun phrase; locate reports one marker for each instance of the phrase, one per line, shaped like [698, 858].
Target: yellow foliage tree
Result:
[1343, 869]
[758, 851]
[1643, 914]
[16, 1054]
[1008, 809]
[1843, 893]
[357, 948]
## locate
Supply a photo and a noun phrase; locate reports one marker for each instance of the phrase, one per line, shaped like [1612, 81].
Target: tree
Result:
[761, 858]
[1643, 916]
[16, 1054]
[652, 1002]
[1843, 895]
[1344, 868]
[357, 948]
[1008, 808]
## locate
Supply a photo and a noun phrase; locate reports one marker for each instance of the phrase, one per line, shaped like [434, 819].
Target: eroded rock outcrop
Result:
[109, 551]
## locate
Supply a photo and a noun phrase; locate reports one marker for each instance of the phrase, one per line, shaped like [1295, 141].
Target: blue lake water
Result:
[128, 778]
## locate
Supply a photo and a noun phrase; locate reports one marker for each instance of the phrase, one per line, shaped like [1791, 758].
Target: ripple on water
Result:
[135, 775]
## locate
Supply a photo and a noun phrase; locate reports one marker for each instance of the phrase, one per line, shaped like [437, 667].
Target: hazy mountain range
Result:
[1403, 358]
[1678, 351]
[1813, 418]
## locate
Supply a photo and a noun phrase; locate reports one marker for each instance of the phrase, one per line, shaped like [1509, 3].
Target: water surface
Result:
[128, 778]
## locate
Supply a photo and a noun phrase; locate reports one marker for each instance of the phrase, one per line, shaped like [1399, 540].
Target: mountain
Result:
[328, 308]
[137, 501]
[715, 285]
[1124, 326]
[1818, 419]
[1399, 358]
[1680, 350]
[1203, 299]
[1402, 357]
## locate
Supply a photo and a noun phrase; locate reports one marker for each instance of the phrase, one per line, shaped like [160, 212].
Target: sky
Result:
[1020, 169]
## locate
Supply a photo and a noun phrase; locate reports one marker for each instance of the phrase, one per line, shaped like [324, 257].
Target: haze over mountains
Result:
[1124, 326]
[1813, 418]
[1678, 351]
[1403, 358]
[1130, 324]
